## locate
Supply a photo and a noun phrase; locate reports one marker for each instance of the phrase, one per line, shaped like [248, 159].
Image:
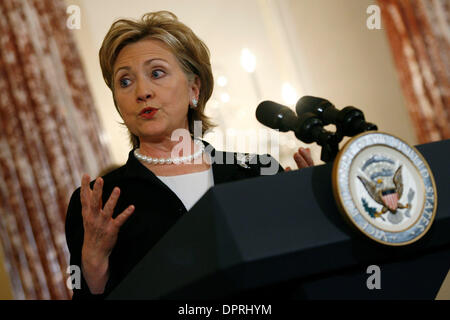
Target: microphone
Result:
[276, 116]
[349, 121]
[307, 128]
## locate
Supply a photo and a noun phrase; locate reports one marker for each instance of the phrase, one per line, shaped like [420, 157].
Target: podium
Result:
[282, 237]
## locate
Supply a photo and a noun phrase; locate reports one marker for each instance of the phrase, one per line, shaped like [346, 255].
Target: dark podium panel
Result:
[282, 237]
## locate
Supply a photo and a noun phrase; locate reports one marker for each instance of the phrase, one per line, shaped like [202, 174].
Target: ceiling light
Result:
[222, 81]
[225, 97]
[289, 93]
[248, 60]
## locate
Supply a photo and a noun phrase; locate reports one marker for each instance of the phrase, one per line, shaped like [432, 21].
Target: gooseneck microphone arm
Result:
[311, 130]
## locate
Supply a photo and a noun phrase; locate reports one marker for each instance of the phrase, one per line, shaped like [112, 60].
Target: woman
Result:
[160, 76]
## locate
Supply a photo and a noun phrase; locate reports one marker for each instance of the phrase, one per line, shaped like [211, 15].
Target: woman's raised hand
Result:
[100, 231]
[302, 158]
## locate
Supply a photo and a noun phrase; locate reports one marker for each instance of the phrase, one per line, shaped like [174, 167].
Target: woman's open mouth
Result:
[148, 113]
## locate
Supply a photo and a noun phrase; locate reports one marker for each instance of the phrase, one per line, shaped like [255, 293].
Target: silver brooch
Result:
[243, 159]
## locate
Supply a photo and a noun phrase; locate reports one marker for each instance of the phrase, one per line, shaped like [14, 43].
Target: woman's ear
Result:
[196, 85]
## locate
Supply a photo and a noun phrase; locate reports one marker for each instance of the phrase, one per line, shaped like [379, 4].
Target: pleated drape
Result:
[49, 136]
[419, 35]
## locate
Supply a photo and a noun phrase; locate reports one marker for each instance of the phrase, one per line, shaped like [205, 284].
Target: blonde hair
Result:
[190, 51]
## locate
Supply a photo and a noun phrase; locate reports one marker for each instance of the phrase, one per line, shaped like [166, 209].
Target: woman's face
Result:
[151, 90]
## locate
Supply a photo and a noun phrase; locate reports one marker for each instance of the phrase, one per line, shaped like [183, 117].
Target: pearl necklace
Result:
[176, 160]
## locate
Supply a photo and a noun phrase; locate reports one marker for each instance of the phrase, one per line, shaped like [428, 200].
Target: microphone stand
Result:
[310, 129]
[349, 121]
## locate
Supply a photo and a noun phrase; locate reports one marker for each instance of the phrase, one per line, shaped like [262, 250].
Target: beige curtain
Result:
[419, 34]
[49, 136]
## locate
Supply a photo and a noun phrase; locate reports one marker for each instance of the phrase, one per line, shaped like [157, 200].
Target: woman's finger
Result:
[121, 218]
[301, 163]
[111, 203]
[85, 191]
[306, 153]
[96, 199]
[288, 169]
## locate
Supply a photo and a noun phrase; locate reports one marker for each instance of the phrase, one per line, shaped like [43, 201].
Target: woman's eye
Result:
[124, 82]
[157, 73]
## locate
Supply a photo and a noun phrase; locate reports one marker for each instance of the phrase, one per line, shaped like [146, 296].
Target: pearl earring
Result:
[194, 103]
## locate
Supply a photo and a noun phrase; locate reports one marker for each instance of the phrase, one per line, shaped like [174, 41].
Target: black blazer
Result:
[157, 209]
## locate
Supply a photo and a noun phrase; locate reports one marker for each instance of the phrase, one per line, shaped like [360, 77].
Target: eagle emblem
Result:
[383, 185]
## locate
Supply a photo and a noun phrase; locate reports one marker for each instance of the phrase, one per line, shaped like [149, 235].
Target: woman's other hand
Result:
[302, 158]
[100, 232]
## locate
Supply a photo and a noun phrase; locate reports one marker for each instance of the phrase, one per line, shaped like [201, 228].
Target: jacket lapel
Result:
[223, 172]
[224, 166]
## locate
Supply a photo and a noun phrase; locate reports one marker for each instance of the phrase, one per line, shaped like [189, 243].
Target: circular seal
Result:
[384, 188]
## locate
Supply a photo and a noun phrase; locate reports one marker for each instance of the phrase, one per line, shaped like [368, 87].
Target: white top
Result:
[190, 187]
